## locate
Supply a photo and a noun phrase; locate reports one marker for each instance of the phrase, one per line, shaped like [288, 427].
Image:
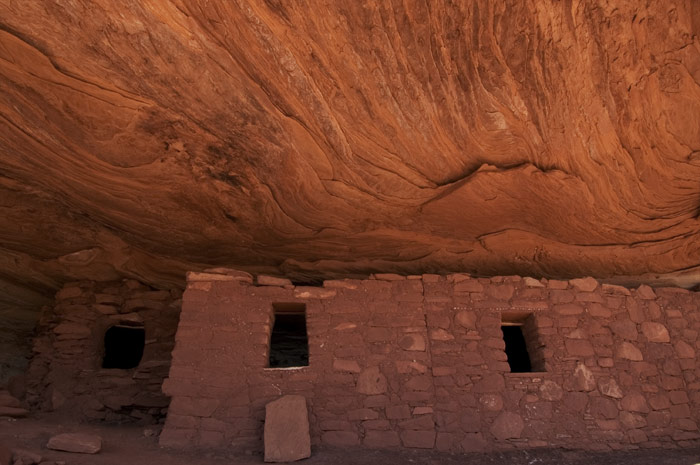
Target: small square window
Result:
[124, 346]
[289, 342]
[523, 347]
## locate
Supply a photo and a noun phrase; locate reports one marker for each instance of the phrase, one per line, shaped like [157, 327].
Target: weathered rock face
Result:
[525, 138]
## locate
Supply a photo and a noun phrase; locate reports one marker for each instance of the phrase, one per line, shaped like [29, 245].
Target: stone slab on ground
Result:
[287, 430]
[14, 412]
[76, 442]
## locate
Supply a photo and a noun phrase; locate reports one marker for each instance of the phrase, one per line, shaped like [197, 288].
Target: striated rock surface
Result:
[343, 138]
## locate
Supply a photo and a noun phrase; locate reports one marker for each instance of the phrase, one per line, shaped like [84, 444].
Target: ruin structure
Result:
[103, 349]
[427, 362]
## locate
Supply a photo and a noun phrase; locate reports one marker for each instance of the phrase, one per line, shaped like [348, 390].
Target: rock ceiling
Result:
[325, 138]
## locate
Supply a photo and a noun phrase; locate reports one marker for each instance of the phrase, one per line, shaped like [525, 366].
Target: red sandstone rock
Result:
[684, 350]
[27, 457]
[264, 280]
[418, 439]
[76, 442]
[412, 342]
[466, 319]
[583, 378]
[346, 365]
[14, 412]
[551, 391]
[655, 332]
[371, 381]
[287, 430]
[628, 351]
[507, 425]
[584, 284]
[609, 387]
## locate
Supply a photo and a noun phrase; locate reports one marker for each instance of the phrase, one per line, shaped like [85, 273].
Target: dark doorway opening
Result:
[123, 346]
[516, 349]
[289, 342]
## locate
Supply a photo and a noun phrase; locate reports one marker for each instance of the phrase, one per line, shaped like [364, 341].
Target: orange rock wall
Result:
[419, 362]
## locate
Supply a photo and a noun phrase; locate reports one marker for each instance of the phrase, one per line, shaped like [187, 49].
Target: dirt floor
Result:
[133, 445]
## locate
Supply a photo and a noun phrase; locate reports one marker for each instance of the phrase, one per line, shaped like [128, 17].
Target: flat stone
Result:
[469, 285]
[371, 382]
[507, 425]
[440, 335]
[193, 276]
[635, 402]
[286, 433]
[584, 284]
[614, 289]
[308, 292]
[626, 329]
[238, 275]
[81, 443]
[466, 319]
[264, 280]
[532, 282]
[655, 332]
[418, 439]
[14, 412]
[609, 387]
[684, 350]
[412, 342]
[340, 283]
[583, 378]
[381, 439]
[346, 365]
[551, 391]
[646, 292]
[388, 277]
[629, 351]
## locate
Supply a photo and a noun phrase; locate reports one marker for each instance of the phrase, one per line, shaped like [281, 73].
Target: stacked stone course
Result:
[66, 369]
[419, 362]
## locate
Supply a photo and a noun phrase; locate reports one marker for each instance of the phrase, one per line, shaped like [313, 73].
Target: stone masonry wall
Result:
[66, 370]
[419, 362]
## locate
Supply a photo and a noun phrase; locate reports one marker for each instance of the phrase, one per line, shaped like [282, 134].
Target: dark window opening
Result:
[516, 349]
[289, 343]
[123, 346]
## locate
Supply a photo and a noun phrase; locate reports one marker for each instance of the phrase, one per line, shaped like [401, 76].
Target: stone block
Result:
[532, 282]
[507, 425]
[413, 342]
[418, 439]
[655, 332]
[624, 329]
[381, 439]
[286, 434]
[584, 284]
[371, 381]
[551, 391]
[609, 387]
[76, 442]
[635, 402]
[684, 350]
[645, 292]
[628, 351]
[346, 365]
[314, 293]
[264, 280]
